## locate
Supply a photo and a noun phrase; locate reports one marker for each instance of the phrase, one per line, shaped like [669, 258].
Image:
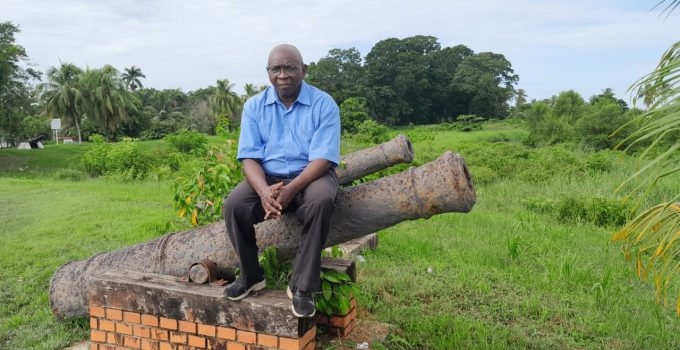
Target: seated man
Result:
[289, 144]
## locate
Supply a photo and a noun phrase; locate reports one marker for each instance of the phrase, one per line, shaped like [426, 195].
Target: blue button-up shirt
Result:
[285, 140]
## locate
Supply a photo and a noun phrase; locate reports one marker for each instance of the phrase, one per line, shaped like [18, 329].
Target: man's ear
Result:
[304, 70]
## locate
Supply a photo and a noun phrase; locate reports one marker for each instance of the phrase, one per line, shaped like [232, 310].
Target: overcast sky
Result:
[585, 45]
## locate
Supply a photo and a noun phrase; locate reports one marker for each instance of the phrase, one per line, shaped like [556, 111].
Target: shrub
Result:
[187, 141]
[369, 131]
[120, 158]
[599, 122]
[198, 197]
[353, 112]
[96, 138]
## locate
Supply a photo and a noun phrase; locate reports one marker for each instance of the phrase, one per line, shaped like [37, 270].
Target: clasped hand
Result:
[275, 199]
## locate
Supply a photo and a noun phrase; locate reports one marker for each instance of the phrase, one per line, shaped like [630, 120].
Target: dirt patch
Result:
[369, 331]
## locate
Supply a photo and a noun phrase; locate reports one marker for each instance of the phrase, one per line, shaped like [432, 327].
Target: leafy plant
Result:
[187, 141]
[336, 291]
[199, 197]
[96, 138]
[652, 236]
[119, 158]
[275, 272]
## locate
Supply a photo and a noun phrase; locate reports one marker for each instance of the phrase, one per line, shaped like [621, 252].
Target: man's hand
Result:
[268, 198]
[286, 195]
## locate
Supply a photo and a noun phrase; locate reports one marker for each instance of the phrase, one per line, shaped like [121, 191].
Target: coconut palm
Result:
[652, 238]
[106, 98]
[224, 103]
[131, 77]
[62, 95]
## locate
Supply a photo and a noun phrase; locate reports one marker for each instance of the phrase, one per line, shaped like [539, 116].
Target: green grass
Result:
[503, 276]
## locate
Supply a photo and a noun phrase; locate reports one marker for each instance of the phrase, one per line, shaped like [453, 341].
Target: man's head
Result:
[286, 71]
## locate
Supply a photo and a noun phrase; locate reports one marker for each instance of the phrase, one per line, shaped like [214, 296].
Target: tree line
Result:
[415, 80]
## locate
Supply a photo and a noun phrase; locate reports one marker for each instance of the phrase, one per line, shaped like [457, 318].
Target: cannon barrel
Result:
[367, 161]
[441, 186]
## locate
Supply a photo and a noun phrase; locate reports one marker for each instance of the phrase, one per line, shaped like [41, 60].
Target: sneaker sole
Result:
[302, 316]
[289, 293]
[254, 287]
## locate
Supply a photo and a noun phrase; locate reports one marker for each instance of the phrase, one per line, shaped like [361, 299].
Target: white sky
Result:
[552, 45]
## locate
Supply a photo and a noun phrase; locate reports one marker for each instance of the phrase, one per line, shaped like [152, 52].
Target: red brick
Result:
[94, 346]
[226, 333]
[113, 338]
[188, 327]
[93, 323]
[204, 329]
[197, 341]
[168, 323]
[321, 319]
[141, 331]
[353, 302]
[246, 337]
[123, 328]
[178, 338]
[159, 334]
[132, 317]
[98, 336]
[268, 340]
[150, 320]
[107, 347]
[235, 346]
[133, 342]
[297, 344]
[166, 346]
[114, 314]
[310, 346]
[150, 344]
[343, 321]
[97, 311]
[107, 325]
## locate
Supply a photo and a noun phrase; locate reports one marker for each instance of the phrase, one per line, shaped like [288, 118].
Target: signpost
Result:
[56, 126]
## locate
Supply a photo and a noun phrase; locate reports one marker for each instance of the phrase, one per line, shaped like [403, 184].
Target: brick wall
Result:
[132, 310]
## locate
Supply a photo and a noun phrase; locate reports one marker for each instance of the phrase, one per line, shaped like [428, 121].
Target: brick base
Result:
[338, 325]
[132, 310]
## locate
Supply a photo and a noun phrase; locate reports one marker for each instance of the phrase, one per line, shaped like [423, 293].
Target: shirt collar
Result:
[304, 97]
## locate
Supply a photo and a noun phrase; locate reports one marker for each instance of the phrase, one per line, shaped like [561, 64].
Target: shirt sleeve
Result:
[250, 142]
[326, 139]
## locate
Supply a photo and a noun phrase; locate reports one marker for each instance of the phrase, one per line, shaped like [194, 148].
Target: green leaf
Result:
[326, 290]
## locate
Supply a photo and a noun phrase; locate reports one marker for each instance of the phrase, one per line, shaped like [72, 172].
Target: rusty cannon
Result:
[441, 186]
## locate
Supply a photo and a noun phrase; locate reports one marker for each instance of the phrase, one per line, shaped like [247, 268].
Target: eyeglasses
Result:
[288, 70]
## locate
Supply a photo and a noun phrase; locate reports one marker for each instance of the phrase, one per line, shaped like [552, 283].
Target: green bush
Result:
[353, 112]
[119, 158]
[187, 141]
[594, 128]
[369, 131]
[96, 138]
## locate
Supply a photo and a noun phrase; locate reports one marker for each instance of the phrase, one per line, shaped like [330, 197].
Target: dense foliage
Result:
[415, 80]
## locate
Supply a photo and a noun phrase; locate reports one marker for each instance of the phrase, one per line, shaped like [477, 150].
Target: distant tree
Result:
[252, 90]
[608, 94]
[488, 79]
[63, 96]
[106, 98]
[224, 103]
[568, 104]
[447, 102]
[520, 98]
[16, 95]
[131, 77]
[340, 74]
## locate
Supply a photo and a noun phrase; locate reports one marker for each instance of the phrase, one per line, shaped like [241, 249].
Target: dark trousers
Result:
[313, 208]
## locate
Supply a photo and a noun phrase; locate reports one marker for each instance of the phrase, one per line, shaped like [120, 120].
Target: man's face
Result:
[286, 72]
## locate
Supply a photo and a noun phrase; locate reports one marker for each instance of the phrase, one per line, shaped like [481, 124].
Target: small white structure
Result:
[66, 140]
[24, 145]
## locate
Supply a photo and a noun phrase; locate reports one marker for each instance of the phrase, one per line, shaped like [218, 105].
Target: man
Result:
[289, 144]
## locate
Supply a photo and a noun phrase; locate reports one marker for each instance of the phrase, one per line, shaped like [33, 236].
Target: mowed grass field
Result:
[504, 276]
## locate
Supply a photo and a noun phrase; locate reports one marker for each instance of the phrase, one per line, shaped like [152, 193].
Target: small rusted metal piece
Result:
[204, 271]
[441, 186]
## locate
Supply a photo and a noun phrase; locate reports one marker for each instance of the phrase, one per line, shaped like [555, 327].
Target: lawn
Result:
[505, 275]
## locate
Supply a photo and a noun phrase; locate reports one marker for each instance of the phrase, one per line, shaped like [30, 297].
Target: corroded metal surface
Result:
[441, 186]
[367, 161]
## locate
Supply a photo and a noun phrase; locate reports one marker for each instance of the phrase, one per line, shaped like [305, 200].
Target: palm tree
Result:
[131, 77]
[106, 98]
[62, 95]
[252, 90]
[224, 103]
[652, 239]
